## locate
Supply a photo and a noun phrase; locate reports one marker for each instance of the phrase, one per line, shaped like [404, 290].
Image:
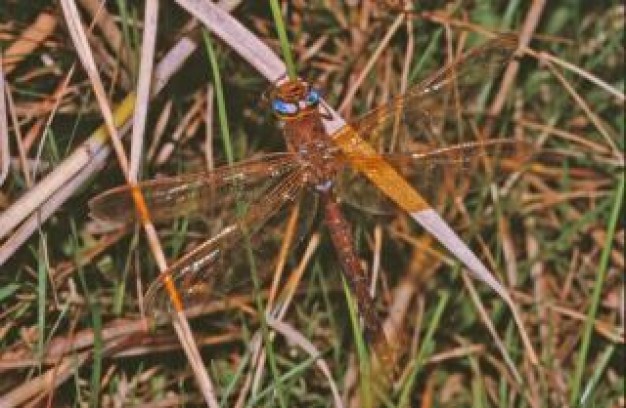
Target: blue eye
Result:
[313, 97]
[284, 108]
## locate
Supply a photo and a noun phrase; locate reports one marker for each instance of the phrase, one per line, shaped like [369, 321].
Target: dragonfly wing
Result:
[428, 114]
[217, 266]
[211, 194]
[438, 174]
[431, 132]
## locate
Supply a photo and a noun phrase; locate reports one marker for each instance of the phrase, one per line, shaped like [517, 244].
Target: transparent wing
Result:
[214, 268]
[431, 114]
[211, 195]
[430, 134]
[437, 174]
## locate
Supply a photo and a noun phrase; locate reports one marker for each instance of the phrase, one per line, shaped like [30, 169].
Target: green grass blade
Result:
[120, 290]
[42, 289]
[427, 55]
[8, 290]
[96, 366]
[219, 94]
[597, 291]
[282, 37]
[603, 361]
[426, 348]
[125, 20]
[363, 356]
[265, 331]
[236, 378]
[291, 374]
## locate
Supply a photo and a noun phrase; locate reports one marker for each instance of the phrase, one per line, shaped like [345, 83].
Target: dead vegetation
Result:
[72, 327]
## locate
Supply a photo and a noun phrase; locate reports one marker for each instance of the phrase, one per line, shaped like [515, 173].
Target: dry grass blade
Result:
[530, 25]
[180, 322]
[45, 383]
[30, 39]
[83, 162]
[287, 242]
[74, 23]
[238, 37]
[25, 164]
[279, 310]
[5, 154]
[347, 100]
[489, 324]
[143, 88]
[582, 73]
[289, 289]
[51, 205]
[587, 109]
[540, 226]
[297, 338]
[111, 33]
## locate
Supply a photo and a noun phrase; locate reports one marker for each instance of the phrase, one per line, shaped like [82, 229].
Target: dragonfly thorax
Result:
[297, 106]
[307, 138]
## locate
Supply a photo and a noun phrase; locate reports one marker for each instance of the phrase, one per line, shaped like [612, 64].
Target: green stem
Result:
[597, 291]
[282, 37]
[219, 95]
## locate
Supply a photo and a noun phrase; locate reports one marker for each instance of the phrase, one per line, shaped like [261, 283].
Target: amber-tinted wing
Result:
[437, 174]
[430, 134]
[238, 200]
[211, 194]
[217, 266]
[431, 113]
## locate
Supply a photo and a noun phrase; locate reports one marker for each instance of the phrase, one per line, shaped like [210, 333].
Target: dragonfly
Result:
[418, 135]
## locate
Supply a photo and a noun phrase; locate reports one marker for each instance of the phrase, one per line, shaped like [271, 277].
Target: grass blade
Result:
[219, 93]
[597, 291]
[282, 37]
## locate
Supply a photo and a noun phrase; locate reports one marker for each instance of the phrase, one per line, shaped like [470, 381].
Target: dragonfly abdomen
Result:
[341, 236]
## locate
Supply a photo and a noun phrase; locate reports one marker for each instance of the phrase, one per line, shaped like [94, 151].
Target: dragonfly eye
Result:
[312, 97]
[282, 108]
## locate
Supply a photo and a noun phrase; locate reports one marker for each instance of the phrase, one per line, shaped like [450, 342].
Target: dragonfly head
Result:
[294, 99]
